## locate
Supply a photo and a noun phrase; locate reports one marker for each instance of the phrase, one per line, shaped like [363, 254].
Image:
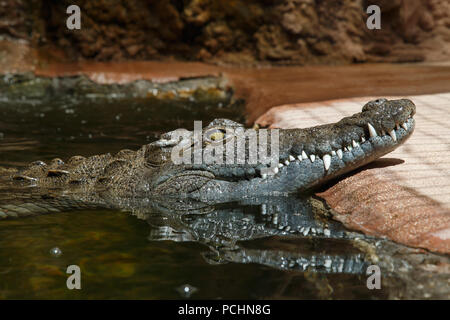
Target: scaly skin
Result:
[128, 177]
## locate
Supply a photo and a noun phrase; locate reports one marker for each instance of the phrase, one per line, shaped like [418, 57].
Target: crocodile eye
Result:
[215, 135]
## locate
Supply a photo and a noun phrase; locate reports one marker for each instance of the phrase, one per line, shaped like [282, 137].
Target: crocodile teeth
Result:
[345, 149]
[327, 161]
[339, 153]
[355, 144]
[291, 158]
[333, 153]
[312, 157]
[263, 208]
[286, 162]
[392, 134]
[363, 139]
[405, 126]
[264, 175]
[275, 170]
[304, 156]
[299, 157]
[280, 165]
[349, 148]
[372, 131]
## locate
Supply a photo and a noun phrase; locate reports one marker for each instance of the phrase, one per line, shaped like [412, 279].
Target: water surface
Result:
[267, 249]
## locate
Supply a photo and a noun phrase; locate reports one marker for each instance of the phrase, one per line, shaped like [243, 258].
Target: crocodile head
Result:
[306, 157]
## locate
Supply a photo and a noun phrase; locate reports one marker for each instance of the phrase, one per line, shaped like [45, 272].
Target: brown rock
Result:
[300, 19]
[320, 46]
[426, 21]
[381, 49]
[218, 36]
[409, 16]
[261, 30]
[204, 54]
[197, 12]
[273, 43]
[407, 54]
[107, 53]
[134, 49]
[13, 19]
[387, 5]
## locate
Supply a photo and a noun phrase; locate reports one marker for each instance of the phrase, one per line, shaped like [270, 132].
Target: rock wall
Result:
[235, 31]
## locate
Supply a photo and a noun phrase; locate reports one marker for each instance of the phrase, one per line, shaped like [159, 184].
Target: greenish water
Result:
[124, 257]
[118, 261]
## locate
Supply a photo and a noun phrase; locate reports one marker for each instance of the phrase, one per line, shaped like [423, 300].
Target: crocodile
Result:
[307, 158]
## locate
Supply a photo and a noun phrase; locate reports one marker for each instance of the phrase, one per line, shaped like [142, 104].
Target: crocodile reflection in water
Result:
[294, 234]
[227, 225]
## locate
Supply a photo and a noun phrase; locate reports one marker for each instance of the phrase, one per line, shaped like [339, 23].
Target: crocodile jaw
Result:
[358, 140]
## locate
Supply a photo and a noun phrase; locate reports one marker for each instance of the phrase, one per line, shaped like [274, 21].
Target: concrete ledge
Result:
[404, 196]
